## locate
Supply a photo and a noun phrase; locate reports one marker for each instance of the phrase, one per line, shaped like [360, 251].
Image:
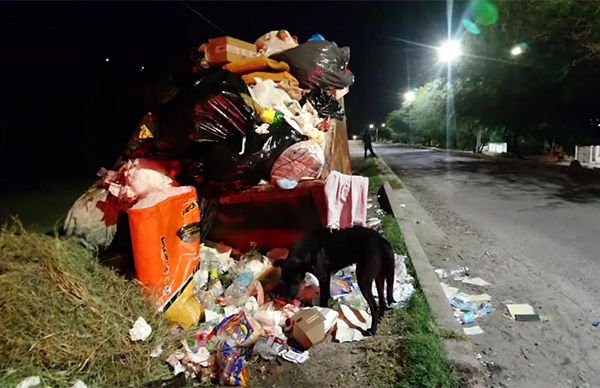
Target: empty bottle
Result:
[452, 273]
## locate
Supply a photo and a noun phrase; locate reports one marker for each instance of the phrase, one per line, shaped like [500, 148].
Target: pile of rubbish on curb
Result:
[246, 114]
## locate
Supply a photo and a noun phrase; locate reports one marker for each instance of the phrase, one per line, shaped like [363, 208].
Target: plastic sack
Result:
[302, 160]
[165, 238]
[220, 111]
[258, 165]
[319, 64]
[274, 42]
[140, 177]
[325, 104]
[93, 217]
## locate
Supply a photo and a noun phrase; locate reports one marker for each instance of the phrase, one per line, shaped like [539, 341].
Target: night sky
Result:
[65, 111]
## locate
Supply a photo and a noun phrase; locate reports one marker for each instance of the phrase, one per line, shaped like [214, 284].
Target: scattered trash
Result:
[79, 384]
[295, 356]
[30, 382]
[157, 351]
[269, 347]
[522, 312]
[450, 292]
[451, 273]
[475, 281]
[596, 323]
[140, 331]
[473, 330]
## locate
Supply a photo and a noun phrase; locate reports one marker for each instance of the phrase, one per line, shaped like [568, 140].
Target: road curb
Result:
[459, 353]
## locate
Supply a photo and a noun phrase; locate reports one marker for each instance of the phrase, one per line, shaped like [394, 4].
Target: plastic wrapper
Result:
[301, 161]
[164, 263]
[325, 104]
[319, 64]
[274, 42]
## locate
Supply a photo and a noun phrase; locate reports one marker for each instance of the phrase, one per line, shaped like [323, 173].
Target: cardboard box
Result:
[227, 49]
[309, 327]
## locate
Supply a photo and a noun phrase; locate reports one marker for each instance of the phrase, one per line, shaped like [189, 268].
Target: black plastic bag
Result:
[258, 164]
[319, 64]
[325, 104]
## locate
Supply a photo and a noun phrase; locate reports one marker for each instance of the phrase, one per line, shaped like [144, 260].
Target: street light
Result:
[382, 125]
[371, 126]
[409, 96]
[516, 51]
[449, 51]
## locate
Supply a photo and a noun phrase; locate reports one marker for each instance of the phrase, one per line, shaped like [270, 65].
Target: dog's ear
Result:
[278, 263]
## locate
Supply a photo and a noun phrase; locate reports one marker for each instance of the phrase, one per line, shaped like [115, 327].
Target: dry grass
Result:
[66, 317]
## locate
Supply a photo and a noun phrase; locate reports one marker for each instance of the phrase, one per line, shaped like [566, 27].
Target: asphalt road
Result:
[531, 230]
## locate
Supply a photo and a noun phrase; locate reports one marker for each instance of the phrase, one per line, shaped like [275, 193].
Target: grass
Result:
[407, 351]
[66, 317]
[370, 169]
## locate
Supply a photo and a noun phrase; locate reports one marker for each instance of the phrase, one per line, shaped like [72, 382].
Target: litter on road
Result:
[473, 330]
[522, 312]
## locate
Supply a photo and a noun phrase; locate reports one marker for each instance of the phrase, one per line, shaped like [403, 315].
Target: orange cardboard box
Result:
[227, 49]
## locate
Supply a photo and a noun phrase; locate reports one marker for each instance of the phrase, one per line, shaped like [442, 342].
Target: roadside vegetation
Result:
[407, 350]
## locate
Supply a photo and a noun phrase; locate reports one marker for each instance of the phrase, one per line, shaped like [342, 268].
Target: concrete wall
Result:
[495, 148]
[587, 154]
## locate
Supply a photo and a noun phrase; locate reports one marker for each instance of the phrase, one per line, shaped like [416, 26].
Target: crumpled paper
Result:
[140, 331]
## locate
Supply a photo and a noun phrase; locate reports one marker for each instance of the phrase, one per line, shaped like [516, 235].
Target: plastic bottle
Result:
[239, 288]
[452, 273]
[467, 317]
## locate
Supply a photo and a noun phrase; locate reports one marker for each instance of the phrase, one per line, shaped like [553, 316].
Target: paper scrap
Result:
[79, 384]
[480, 298]
[462, 297]
[157, 351]
[475, 281]
[345, 333]
[30, 382]
[140, 331]
[473, 330]
[522, 312]
[295, 356]
[448, 290]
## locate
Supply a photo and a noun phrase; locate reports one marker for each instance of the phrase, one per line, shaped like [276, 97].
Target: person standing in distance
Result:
[367, 142]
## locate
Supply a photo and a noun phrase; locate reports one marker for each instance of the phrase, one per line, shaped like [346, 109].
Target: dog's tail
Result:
[389, 268]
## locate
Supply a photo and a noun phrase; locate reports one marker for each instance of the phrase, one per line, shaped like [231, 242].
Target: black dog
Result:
[324, 252]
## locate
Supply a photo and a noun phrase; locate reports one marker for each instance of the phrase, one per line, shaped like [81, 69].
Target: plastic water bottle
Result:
[239, 287]
[452, 273]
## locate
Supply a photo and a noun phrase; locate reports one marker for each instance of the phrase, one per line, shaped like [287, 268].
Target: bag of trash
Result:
[165, 235]
[301, 161]
[325, 104]
[319, 64]
[93, 217]
[258, 164]
[220, 111]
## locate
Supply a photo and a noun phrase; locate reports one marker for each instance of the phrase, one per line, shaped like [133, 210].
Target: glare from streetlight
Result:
[382, 125]
[371, 126]
[449, 51]
[409, 96]
[517, 50]
[107, 59]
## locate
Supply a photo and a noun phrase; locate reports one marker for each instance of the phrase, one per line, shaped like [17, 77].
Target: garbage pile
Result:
[245, 114]
[242, 320]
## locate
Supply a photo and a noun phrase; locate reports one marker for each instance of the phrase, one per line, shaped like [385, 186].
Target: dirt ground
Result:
[330, 365]
[532, 233]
